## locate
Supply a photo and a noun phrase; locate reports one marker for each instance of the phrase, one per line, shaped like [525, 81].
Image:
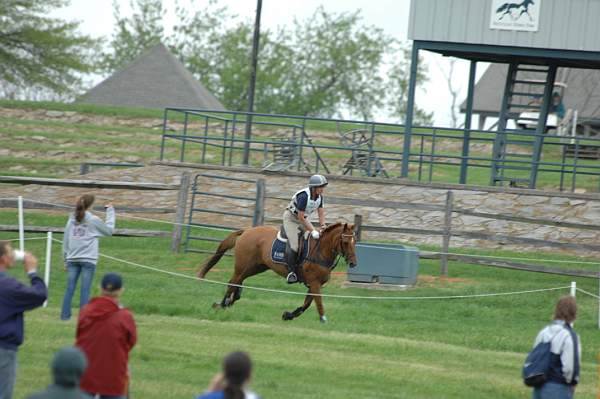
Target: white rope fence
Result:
[588, 293]
[187, 276]
[573, 287]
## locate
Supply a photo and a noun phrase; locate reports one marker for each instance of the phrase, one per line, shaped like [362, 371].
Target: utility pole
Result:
[252, 83]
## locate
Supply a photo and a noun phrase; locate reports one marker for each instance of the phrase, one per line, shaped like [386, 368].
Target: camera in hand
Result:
[19, 255]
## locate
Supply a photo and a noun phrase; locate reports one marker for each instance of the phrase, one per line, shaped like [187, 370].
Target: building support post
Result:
[410, 103]
[464, 164]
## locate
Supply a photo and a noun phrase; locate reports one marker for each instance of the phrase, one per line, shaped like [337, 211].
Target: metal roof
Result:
[154, 80]
[570, 25]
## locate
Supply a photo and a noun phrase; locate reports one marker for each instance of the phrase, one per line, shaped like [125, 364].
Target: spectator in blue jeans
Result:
[80, 249]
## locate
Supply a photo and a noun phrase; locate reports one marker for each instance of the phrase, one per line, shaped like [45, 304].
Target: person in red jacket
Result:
[106, 333]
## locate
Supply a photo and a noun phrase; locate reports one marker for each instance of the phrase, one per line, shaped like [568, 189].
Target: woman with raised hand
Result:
[80, 249]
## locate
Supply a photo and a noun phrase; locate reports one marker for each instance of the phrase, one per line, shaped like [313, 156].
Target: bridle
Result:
[337, 251]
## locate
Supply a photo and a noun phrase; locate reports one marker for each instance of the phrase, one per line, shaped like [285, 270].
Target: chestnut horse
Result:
[253, 256]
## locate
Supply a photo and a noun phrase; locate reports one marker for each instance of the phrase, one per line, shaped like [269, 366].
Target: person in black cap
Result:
[67, 366]
[106, 333]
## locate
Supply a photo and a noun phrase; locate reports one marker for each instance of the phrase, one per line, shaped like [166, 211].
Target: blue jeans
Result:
[553, 390]
[8, 372]
[74, 269]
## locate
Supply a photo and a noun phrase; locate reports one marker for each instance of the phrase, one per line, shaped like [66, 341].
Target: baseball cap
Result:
[68, 366]
[111, 282]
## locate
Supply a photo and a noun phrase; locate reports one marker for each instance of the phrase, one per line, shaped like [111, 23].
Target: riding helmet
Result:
[317, 181]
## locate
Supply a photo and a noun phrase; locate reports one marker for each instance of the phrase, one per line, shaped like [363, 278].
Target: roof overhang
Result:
[508, 54]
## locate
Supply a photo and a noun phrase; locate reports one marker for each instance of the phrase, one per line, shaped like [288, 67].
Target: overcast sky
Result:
[389, 15]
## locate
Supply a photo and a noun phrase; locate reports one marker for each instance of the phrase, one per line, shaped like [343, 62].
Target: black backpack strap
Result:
[575, 378]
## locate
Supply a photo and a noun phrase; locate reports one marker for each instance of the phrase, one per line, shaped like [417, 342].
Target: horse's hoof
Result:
[323, 319]
[287, 316]
[217, 305]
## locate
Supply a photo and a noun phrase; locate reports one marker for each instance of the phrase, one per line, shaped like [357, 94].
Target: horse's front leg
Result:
[316, 289]
[299, 310]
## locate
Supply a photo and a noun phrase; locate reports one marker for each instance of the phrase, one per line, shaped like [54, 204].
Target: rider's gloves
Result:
[315, 234]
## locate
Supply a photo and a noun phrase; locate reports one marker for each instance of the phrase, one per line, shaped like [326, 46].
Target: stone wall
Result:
[577, 208]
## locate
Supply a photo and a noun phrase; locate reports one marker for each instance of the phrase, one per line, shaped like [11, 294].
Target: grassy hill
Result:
[390, 348]
[53, 139]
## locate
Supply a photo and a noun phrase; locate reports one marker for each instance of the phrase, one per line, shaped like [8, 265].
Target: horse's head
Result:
[341, 240]
[347, 244]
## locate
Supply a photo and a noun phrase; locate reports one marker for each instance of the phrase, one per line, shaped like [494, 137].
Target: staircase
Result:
[516, 153]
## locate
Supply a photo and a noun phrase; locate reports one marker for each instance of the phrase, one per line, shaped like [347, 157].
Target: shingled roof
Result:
[582, 92]
[154, 80]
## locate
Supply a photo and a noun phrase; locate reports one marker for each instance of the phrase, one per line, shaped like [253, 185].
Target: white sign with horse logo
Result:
[515, 15]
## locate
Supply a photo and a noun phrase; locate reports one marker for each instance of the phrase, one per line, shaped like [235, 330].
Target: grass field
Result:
[391, 348]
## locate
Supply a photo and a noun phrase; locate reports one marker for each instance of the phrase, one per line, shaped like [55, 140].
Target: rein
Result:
[337, 254]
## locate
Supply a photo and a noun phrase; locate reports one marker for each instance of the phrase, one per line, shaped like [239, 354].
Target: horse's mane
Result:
[332, 227]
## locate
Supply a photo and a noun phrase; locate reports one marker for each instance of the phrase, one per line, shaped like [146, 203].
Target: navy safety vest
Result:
[311, 205]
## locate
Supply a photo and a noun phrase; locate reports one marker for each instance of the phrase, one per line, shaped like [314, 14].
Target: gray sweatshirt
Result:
[561, 344]
[80, 242]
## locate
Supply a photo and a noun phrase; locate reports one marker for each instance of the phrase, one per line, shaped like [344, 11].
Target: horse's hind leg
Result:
[234, 292]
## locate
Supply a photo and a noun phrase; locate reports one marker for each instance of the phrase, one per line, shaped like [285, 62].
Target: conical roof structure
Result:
[156, 79]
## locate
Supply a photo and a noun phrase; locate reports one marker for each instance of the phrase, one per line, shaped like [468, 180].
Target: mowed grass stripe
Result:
[176, 356]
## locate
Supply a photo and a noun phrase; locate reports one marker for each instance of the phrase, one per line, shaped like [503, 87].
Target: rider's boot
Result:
[291, 266]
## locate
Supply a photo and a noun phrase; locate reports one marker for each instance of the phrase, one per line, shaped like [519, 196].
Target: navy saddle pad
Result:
[278, 251]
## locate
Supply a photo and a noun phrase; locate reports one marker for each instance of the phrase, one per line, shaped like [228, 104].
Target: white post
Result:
[21, 225]
[573, 288]
[48, 263]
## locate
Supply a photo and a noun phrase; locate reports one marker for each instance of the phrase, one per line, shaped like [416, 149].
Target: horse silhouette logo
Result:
[512, 9]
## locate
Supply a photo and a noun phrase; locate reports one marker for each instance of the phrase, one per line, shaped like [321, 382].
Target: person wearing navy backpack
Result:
[565, 352]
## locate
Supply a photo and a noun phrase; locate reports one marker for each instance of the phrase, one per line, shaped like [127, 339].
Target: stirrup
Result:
[292, 278]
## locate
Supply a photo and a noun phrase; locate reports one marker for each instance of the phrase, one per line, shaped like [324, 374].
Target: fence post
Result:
[21, 224]
[48, 263]
[573, 288]
[447, 233]
[184, 188]
[358, 226]
[259, 204]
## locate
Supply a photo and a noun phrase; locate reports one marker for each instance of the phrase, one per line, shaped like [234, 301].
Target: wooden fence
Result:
[446, 232]
[183, 189]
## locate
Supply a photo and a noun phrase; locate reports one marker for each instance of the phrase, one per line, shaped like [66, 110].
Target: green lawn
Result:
[394, 348]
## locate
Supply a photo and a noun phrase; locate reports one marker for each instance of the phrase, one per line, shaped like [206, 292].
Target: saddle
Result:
[281, 251]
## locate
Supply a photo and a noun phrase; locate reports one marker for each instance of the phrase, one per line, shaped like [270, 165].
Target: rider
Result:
[296, 216]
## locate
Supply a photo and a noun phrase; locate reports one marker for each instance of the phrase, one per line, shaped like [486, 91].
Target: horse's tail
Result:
[225, 245]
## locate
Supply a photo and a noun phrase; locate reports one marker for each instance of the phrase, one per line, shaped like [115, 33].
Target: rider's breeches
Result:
[292, 227]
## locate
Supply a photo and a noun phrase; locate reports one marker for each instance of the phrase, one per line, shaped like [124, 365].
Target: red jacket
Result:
[105, 333]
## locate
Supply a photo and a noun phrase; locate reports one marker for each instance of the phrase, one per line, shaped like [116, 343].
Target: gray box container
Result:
[385, 264]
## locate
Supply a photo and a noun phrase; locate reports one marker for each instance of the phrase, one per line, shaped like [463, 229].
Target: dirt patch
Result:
[425, 280]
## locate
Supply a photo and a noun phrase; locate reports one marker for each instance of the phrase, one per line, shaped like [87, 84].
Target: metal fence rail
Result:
[205, 191]
[376, 149]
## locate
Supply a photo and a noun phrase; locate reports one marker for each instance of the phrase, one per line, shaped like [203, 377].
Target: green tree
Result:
[322, 66]
[336, 64]
[133, 35]
[398, 79]
[41, 52]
